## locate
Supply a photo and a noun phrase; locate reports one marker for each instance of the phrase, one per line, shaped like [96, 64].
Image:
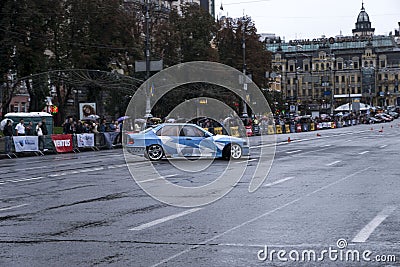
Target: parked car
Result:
[383, 117]
[373, 120]
[185, 140]
[394, 114]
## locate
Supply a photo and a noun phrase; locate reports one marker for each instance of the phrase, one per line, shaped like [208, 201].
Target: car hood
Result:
[228, 139]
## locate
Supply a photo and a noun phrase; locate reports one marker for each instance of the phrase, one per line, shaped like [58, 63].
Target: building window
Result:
[291, 68]
[355, 65]
[366, 64]
[379, 77]
[358, 79]
[306, 67]
[382, 64]
[340, 65]
[343, 79]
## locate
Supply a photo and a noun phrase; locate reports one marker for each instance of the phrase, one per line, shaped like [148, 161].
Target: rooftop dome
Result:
[363, 16]
[363, 25]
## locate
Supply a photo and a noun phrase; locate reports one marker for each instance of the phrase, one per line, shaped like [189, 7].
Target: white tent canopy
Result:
[345, 107]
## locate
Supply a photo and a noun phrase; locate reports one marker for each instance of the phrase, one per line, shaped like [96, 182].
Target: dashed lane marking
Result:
[333, 163]
[246, 161]
[162, 220]
[13, 207]
[158, 178]
[278, 181]
[294, 151]
[365, 233]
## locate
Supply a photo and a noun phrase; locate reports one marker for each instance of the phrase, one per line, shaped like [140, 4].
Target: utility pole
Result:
[147, 56]
[244, 113]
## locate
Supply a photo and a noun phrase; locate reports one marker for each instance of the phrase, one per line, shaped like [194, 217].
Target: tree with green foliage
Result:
[229, 41]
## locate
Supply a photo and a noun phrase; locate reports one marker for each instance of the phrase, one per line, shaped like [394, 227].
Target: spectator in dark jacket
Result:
[8, 133]
[44, 127]
[44, 132]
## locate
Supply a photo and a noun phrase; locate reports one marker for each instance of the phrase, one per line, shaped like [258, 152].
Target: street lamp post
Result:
[244, 113]
[147, 56]
[332, 68]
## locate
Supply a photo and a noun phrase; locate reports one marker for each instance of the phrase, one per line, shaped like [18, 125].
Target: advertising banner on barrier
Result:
[85, 140]
[26, 143]
[62, 142]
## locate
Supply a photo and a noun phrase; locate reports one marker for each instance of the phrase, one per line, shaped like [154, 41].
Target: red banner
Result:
[62, 142]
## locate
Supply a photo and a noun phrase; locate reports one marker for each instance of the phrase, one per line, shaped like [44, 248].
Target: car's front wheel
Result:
[154, 152]
[232, 151]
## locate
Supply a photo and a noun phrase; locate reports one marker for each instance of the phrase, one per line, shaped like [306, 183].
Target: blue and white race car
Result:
[175, 140]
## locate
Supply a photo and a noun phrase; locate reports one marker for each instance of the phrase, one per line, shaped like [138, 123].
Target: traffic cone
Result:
[288, 140]
[318, 134]
[372, 128]
[381, 130]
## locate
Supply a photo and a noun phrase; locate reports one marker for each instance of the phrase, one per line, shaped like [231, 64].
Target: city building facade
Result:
[324, 73]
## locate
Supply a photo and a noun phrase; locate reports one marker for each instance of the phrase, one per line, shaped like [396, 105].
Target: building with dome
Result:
[324, 73]
[363, 25]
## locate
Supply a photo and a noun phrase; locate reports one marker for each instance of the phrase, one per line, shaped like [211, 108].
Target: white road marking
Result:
[327, 145]
[383, 146]
[348, 140]
[246, 161]
[158, 178]
[333, 163]
[13, 207]
[278, 181]
[165, 219]
[68, 173]
[25, 179]
[362, 153]
[291, 152]
[256, 218]
[364, 234]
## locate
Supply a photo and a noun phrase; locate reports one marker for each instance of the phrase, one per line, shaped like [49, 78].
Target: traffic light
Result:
[53, 109]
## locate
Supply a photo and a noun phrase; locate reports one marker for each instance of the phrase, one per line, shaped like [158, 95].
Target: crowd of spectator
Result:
[72, 126]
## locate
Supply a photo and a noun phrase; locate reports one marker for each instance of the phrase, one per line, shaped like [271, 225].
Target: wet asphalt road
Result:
[85, 209]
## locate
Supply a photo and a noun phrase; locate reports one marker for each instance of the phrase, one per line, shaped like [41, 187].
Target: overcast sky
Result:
[307, 19]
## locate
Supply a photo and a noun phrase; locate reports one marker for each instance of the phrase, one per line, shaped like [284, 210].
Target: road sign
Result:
[155, 65]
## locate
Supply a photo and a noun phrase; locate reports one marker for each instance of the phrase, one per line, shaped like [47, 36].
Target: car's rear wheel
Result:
[154, 152]
[232, 151]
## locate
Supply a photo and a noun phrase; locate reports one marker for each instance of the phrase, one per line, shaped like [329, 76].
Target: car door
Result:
[197, 142]
[171, 142]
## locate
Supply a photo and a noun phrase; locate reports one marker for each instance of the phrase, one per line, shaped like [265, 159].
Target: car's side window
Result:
[168, 130]
[192, 131]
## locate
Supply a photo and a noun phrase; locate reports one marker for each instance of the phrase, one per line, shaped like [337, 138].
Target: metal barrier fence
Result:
[101, 141]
